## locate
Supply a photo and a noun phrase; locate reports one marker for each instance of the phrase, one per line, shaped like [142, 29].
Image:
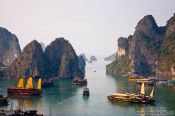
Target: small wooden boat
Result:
[3, 100]
[140, 80]
[155, 79]
[142, 99]
[120, 97]
[28, 90]
[145, 81]
[86, 92]
[133, 97]
[133, 77]
[47, 83]
[79, 81]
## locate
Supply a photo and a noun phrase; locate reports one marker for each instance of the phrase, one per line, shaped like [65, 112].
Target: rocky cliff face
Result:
[84, 56]
[82, 64]
[145, 42]
[30, 62]
[145, 47]
[62, 60]
[122, 46]
[58, 60]
[167, 61]
[9, 47]
[121, 63]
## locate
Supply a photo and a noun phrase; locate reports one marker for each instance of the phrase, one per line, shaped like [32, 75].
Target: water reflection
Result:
[26, 102]
[85, 98]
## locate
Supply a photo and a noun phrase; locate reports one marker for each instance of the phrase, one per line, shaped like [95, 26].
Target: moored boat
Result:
[140, 80]
[133, 76]
[145, 81]
[86, 91]
[28, 90]
[133, 97]
[47, 83]
[79, 81]
[142, 98]
[155, 79]
[120, 97]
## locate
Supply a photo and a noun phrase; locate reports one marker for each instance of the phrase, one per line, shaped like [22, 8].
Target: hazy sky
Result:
[91, 26]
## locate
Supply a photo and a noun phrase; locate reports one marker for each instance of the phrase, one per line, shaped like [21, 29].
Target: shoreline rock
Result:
[9, 47]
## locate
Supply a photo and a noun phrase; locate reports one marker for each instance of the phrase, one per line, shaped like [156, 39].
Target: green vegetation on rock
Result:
[120, 66]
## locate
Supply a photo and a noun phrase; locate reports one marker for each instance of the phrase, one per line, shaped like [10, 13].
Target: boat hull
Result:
[111, 98]
[18, 91]
[79, 82]
[131, 100]
[151, 83]
[143, 101]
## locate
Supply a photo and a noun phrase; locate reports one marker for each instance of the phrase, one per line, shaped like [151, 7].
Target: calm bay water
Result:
[66, 100]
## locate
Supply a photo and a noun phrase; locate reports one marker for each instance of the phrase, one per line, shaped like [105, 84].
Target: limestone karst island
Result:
[87, 58]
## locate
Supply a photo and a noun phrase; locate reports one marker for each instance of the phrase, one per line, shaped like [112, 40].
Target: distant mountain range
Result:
[92, 58]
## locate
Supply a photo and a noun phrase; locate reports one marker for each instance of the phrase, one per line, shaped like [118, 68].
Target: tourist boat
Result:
[145, 81]
[47, 83]
[142, 98]
[120, 97]
[133, 97]
[86, 91]
[155, 79]
[140, 80]
[27, 90]
[79, 81]
[3, 100]
[133, 77]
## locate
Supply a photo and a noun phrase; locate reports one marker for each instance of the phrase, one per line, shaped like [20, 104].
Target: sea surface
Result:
[64, 99]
